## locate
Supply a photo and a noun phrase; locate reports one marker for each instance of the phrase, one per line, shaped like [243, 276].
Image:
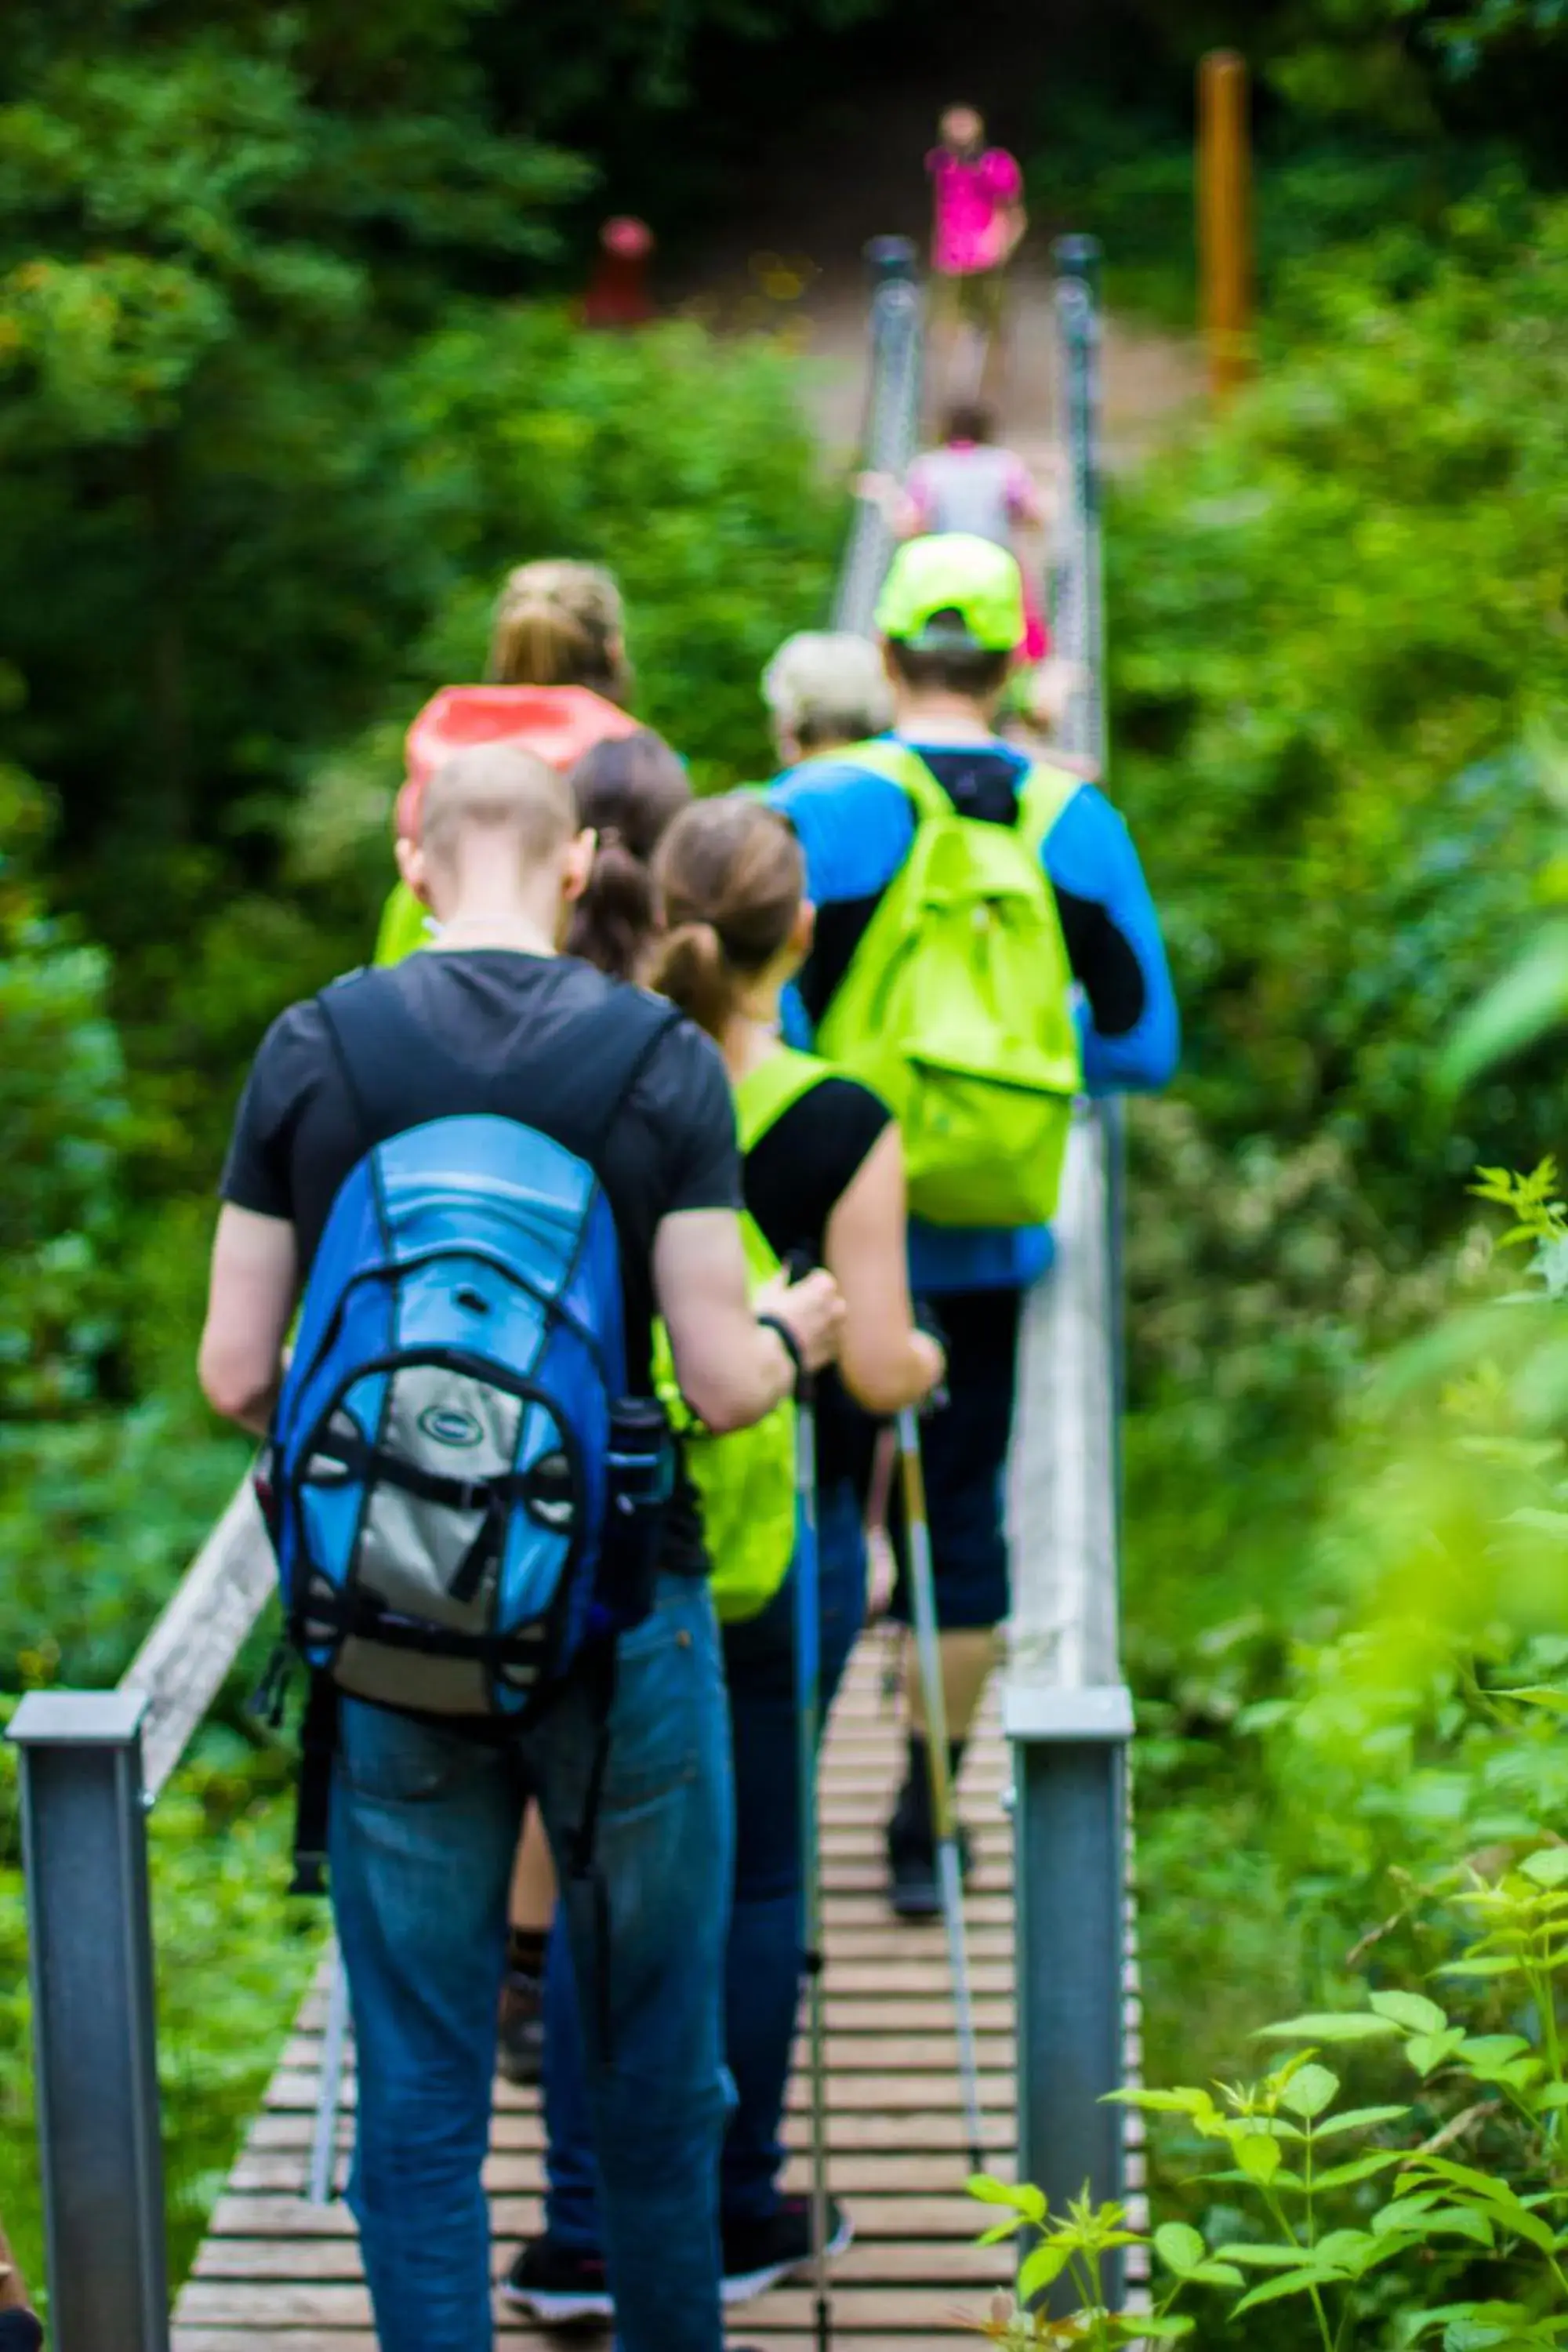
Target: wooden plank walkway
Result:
[275, 2270]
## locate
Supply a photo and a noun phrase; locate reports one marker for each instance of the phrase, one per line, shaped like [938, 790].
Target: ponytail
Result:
[627, 790]
[612, 920]
[689, 966]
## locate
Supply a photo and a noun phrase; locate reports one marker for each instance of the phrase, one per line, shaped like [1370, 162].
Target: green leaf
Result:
[1164, 2327]
[1411, 2010]
[1354, 2025]
[1550, 1866]
[1544, 1695]
[1262, 2258]
[1180, 2247]
[1310, 2090]
[1521, 1007]
[1043, 2267]
[1361, 2168]
[1259, 2156]
[1359, 2119]
[1299, 2281]
[1428, 2051]
[1025, 2200]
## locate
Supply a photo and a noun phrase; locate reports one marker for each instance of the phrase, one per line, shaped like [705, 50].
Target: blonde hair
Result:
[731, 879]
[499, 790]
[560, 624]
[825, 685]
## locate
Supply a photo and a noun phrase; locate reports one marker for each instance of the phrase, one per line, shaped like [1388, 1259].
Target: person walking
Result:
[970, 483]
[824, 1180]
[557, 682]
[951, 617]
[978, 223]
[825, 689]
[493, 1035]
[626, 790]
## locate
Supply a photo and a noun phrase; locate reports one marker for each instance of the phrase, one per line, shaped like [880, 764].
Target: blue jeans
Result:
[762, 1968]
[424, 1825]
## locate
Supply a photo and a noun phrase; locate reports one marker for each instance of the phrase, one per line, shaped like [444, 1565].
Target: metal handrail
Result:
[1066, 1708]
[893, 424]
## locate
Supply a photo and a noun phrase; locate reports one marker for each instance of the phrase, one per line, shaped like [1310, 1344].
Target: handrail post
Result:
[84, 1847]
[892, 423]
[1077, 619]
[1066, 1709]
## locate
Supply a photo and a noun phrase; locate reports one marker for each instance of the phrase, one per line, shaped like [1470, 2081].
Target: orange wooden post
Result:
[1224, 220]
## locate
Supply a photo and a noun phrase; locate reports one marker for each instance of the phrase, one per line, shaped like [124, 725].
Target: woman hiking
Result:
[824, 1180]
[558, 681]
[627, 790]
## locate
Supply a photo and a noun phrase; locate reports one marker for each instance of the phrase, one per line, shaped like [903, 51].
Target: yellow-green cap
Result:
[954, 572]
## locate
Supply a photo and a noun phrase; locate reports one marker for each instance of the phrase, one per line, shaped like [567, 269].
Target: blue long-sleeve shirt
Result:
[856, 828]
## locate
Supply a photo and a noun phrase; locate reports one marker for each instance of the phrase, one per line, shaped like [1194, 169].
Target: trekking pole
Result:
[323, 2145]
[808, 1706]
[944, 1817]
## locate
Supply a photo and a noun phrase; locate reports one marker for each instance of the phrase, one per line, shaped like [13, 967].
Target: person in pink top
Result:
[971, 484]
[979, 220]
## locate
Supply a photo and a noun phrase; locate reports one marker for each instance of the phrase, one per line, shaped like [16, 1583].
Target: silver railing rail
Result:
[1066, 1709]
[892, 424]
[92, 1765]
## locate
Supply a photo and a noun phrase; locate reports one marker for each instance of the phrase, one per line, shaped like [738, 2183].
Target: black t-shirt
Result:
[794, 1177]
[530, 1038]
[19, 2331]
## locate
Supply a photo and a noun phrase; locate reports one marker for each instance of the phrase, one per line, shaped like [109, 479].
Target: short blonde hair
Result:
[496, 789]
[825, 685]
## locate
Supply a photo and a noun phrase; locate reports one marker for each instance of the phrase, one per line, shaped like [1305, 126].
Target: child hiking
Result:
[957, 1002]
[823, 1181]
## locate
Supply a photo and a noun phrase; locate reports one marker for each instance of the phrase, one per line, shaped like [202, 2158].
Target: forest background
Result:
[288, 375]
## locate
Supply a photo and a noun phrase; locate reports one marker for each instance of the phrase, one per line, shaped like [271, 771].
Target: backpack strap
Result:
[376, 1042]
[775, 1086]
[885, 755]
[1042, 796]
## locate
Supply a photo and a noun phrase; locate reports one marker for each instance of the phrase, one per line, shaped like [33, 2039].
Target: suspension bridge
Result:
[1050, 1928]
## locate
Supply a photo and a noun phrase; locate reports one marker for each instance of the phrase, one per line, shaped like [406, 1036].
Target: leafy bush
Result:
[1332, 622]
[62, 1109]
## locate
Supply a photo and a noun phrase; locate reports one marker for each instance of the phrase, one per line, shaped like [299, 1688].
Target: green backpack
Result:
[746, 1480]
[957, 1005]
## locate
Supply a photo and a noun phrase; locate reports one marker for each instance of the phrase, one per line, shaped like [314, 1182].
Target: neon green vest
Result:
[957, 1005]
[404, 926]
[746, 1481]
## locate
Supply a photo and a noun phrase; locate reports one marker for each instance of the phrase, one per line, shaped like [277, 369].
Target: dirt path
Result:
[852, 169]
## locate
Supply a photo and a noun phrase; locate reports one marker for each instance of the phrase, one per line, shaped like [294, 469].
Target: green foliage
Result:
[684, 464]
[1071, 2246]
[233, 1958]
[1330, 621]
[61, 1106]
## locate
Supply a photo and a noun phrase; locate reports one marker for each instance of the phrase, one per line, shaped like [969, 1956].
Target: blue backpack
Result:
[459, 1493]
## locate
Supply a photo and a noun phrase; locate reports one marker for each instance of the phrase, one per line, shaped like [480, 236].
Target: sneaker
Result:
[558, 2285]
[520, 2051]
[757, 2254]
[912, 1887]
